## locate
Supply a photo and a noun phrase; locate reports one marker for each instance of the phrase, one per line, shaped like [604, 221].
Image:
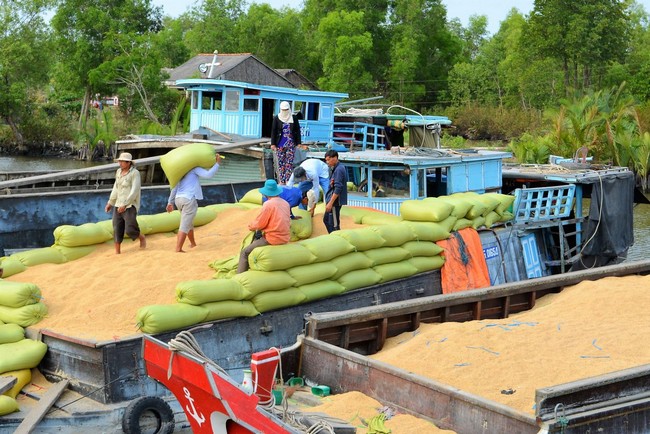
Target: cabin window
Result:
[299, 108]
[195, 100]
[390, 183]
[232, 100]
[211, 100]
[251, 105]
[312, 111]
[436, 180]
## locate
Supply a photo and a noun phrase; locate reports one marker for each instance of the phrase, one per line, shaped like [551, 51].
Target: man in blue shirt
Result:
[337, 194]
[301, 195]
[185, 196]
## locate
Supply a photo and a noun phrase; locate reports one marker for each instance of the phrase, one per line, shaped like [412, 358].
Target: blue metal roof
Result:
[202, 83]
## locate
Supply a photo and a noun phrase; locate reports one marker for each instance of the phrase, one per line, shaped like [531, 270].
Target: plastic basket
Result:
[543, 204]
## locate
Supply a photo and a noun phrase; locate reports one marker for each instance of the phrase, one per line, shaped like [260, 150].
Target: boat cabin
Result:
[247, 109]
[384, 179]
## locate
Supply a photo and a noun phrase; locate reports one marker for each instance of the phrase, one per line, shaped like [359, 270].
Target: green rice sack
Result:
[478, 207]
[327, 247]
[86, 234]
[230, 309]
[478, 222]
[158, 318]
[198, 292]
[23, 316]
[492, 218]
[106, 225]
[253, 197]
[430, 209]
[359, 279]
[8, 405]
[18, 294]
[357, 214]
[461, 206]
[462, 224]
[505, 201]
[11, 266]
[24, 354]
[350, 262]
[43, 255]
[160, 223]
[11, 333]
[387, 255]
[301, 228]
[305, 274]
[177, 162]
[428, 231]
[72, 253]
[322, 289]
[396, 270]
[255, 282]
[271, 300]
[204, 215]
[427, 263]
[282, 257]
[362, 239]
[507, 216]
[395, 234]
[221, 207]
[422, 248]
[380, 218]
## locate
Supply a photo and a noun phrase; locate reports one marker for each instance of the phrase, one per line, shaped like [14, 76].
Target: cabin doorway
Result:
[268, 111]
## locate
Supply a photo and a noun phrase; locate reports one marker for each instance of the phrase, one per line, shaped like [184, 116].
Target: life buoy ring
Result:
[148, 414]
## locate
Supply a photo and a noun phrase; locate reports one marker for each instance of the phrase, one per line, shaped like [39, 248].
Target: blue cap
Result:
[270, 188]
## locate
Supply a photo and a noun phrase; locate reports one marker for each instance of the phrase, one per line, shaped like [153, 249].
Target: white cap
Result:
[284, 105]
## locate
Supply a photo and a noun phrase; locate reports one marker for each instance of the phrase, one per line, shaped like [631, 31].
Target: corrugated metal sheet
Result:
[238, 168]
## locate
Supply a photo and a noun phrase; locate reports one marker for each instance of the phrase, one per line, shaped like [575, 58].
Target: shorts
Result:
[188, 209]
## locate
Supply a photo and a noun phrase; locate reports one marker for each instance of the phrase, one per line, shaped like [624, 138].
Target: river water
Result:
[638, 251]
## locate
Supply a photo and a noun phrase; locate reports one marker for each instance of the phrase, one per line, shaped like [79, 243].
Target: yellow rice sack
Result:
[72, 253]
[505, 201]
[430, 209]
[159, 223]
[461, 206]
[428, 231]
[7, 405]
[301, 228]
[22, 376]
[177, 162]
[462, 224]
[253, 197]
[422, 248]
[380, 218]
[395, 234]
[204, 216]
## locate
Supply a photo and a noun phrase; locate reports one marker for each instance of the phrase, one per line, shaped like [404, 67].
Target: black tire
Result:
[148, 414]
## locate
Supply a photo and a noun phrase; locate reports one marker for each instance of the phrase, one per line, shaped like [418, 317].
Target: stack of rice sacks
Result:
[20, 306]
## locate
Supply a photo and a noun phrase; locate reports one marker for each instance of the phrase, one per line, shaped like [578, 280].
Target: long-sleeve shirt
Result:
[126, 189]
[314, 170]
[339, 184]
[274, 221]
[189, 186]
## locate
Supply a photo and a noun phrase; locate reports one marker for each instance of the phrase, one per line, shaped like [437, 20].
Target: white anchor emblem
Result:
[199, 418]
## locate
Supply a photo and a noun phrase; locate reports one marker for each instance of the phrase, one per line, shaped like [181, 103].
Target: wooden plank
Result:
[47, 400]
[7, 383]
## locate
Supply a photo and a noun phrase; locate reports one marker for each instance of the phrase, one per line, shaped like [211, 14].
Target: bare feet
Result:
[180, 251]
[192, 245]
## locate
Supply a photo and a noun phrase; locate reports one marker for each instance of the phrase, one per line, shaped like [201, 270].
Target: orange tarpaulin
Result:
[465, 267]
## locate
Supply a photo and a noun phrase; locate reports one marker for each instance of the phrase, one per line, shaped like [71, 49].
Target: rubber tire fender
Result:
[139, 406]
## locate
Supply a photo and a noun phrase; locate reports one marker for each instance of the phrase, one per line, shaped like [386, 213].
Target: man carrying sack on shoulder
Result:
[274, 221]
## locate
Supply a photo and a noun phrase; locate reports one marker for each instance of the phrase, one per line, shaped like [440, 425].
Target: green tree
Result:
[82, 28]
[582, 36]
[214, 24]
[340, 36]
[24, 44]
